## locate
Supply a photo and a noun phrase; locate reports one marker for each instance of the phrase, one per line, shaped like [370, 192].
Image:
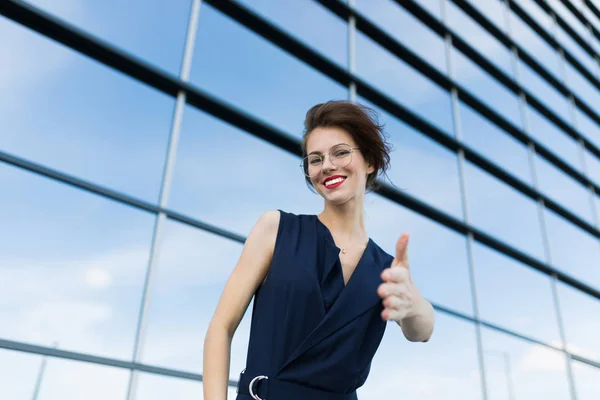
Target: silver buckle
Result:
[254, 396]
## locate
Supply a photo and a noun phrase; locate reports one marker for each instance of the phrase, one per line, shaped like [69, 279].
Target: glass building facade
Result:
[140, 140]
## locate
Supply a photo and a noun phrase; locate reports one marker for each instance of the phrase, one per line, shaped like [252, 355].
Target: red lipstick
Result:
[333, 177]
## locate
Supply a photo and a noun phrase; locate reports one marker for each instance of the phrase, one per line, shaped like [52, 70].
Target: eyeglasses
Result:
[340, 155]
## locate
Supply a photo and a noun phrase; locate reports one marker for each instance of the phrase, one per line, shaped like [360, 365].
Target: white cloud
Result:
[26, 281]
[67, 321]
[97, 277]
[540, 358]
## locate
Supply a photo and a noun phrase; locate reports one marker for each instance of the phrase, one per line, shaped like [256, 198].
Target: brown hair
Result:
[361, 122]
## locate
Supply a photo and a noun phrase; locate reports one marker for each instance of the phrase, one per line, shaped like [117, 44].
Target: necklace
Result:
[335, 239]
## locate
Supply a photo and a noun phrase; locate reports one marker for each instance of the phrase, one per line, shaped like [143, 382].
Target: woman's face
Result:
[337, 184]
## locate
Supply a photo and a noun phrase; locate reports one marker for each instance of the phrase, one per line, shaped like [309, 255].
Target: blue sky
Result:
[72, 264]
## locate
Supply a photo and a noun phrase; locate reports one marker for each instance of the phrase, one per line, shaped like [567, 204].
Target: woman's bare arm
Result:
[248, 274]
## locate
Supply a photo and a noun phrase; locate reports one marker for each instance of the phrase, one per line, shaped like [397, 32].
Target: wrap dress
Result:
[312, 336]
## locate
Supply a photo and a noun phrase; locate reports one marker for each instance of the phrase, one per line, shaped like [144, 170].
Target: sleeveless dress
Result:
[312, 336]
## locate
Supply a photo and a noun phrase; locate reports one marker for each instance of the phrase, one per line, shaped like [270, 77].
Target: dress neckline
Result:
[329, 237]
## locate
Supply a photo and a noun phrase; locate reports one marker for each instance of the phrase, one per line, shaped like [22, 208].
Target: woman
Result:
[323, 290]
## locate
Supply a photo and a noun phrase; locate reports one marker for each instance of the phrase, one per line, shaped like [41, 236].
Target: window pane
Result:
[218, 161]
[573, 250]
[157, 387]
[492, 10]
[192, 269]
[576, 51]
[587, 127]
[486, 193]
[135, 26]
[537, 47]
[516, 369]
[553, 138]
[75, 380]
[544, 92]
[308, 21]
[428, 371]
[494, 143]
[591, 17]
[567, 16]
[580, 4]
[437, 254]
[582, 327]
[587, 381]
[593, 166]
[478, 37]
[402, 83]
[433, 7]
[597, 206]
[406, 29]
[255, 75]
[72, 266]
[583, 88]
[563, 189]
[537, 13]
[95, 119]
[485, 88]
[19, 373]
[435, 181]
[528, 310]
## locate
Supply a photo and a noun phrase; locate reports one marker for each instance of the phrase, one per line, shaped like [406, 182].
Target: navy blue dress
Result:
[311, 336]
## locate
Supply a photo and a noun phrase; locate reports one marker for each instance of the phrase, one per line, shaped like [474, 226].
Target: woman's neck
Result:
[346, 221]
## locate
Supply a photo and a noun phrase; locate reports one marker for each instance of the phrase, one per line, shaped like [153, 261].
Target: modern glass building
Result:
[140, 140]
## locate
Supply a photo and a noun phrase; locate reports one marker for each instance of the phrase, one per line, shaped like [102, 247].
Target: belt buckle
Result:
[259, 377]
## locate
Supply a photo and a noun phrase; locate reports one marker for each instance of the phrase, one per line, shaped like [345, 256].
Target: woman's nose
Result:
[328, 164]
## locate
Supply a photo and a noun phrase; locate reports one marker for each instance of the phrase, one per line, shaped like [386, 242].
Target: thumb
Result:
[401, 259]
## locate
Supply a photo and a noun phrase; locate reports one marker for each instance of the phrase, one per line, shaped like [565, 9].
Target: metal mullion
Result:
[560, 322]
[540, 205]
[580, 144]
[351, 53]
[161, 217]
[465, 209]
[544, 228]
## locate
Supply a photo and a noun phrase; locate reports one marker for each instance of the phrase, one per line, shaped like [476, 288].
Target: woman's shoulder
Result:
[274, 218]
[278, 214]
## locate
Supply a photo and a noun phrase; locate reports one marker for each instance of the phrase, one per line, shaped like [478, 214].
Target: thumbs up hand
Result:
[400, 296]
[402, 300]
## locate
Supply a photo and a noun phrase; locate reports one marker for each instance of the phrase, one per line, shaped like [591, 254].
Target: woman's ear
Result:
[370, 169]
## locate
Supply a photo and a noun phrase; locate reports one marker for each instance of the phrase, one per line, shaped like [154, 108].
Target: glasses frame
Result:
[322, 156]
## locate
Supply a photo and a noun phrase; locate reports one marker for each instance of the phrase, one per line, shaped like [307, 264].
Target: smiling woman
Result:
[311, 328]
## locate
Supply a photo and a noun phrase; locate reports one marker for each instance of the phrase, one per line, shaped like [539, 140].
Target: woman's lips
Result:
[336, 181]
